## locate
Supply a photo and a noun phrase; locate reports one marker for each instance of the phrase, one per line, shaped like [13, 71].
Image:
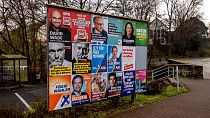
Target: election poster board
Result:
[59, 92]
[114, 58]
[81, 25]
[99, 58]
[93, 57]
[99, 85]
[128, 37]
[81, 89]
[99, 29]
[140, 81]
[141, 34]
[81, 58]
[128, 54]
[128, 83]
[114, 84]
[114, 31]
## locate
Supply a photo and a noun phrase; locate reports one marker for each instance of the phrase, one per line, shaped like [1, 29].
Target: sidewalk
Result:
[195, 104]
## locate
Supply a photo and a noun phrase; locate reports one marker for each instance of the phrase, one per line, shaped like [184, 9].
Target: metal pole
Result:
[177, 77]
[152, 75]
[19, 71]
[2, 72]
[14, 71]
[168, 71]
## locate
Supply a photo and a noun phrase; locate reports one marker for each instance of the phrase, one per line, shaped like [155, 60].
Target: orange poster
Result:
[59, 92]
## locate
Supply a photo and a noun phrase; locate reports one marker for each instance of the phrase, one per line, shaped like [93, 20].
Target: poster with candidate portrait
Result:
[128, 34]
[128, 83]
[99, 85]
[99, 29]
[114, 84]
[82, 27]
[59, 26]
[140, 81]
[99, 58]
[57, 62]
[81, 58]
[59, 92]
[81, 89]
[114, 58]
[114, 31]
[141, 34]
[128, 58]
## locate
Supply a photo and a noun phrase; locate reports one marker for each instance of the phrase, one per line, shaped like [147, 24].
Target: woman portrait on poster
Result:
[128, 37]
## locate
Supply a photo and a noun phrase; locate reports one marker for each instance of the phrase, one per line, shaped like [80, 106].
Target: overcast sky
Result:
[206, 10]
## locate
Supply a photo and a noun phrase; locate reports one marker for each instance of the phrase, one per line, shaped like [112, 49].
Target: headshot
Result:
[56, 31]
[81, 51]
[112, 80]
[57, 55]
[114, 57]
[129, 37]
[98, 30]
[77, 83]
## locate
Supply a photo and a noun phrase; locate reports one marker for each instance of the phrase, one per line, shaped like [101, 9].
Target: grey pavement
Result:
[194, 104]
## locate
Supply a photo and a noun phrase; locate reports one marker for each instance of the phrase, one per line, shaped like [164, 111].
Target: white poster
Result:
[128, 58]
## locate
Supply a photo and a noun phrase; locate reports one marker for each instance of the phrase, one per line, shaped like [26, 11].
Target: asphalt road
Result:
[30, 96]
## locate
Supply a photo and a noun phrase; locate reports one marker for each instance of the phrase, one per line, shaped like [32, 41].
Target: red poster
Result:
[59, 26]
[81, 27]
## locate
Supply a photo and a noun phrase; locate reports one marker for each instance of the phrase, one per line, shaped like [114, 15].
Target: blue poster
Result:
[128, 83]
[114, 31]
[114, 58]
[99, 58]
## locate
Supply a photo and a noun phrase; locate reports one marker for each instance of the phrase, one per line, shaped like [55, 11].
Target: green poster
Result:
[129, 28]
[141, 34]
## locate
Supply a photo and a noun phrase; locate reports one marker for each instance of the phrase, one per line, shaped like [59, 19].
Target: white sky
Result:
[206, 10]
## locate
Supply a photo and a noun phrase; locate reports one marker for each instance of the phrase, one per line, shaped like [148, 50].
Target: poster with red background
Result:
[81, 25]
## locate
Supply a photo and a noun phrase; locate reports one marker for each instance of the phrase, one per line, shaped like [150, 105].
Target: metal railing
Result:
[166, 72]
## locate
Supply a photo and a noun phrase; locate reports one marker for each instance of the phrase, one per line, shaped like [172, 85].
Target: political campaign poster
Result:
[140, 81]
[81, 58]
[114, 31]
[114, 84]
[114, 58]
[99, 58]
[99, 85]
[128, 83]
[59, 92]
[58, 63]
[128, 58]
[82, 27]
[141, 34]
[128, 34]
[81, 89]
[99, 29]
[141, 58]
[59, 26]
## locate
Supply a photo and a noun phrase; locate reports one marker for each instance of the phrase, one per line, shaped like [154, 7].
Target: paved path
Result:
[194, 104]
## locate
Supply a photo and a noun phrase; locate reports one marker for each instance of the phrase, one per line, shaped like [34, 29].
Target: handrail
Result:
[166, 69]
[162, 71]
